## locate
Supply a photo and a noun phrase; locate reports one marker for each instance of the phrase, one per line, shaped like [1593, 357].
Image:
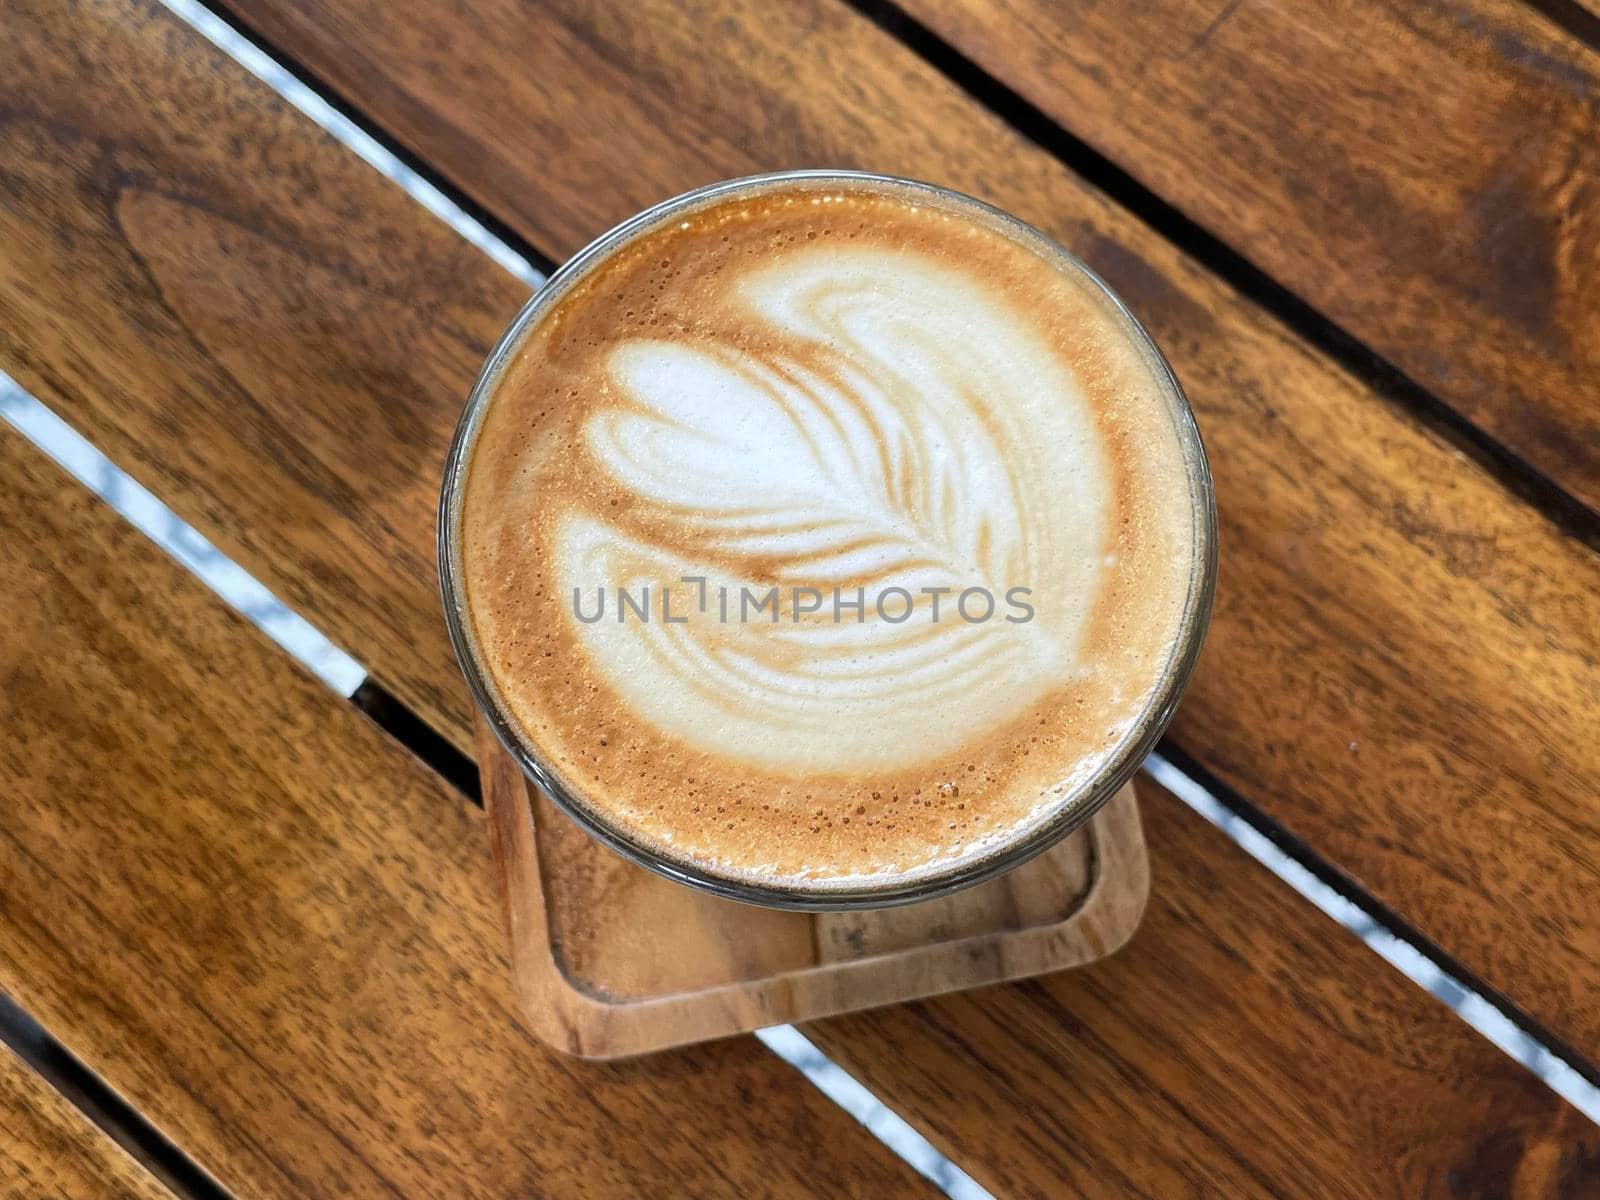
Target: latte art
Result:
[821, 537]
[885, 438]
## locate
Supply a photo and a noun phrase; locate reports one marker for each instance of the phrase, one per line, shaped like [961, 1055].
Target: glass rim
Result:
[1070, 813]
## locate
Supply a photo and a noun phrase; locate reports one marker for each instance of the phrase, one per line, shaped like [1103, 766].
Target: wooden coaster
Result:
[611, 960]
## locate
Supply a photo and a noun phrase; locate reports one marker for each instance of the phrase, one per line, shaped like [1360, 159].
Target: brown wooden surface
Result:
[1428, 175]
[137, 169]
[48, 1149]
[1402, 664]
[269, 928]
[245, 316]
[611, 960]
[274, 932]
[1241, 1045]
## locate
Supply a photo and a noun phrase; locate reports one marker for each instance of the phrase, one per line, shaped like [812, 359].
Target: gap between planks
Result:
[1580, 18]
[102, 1107]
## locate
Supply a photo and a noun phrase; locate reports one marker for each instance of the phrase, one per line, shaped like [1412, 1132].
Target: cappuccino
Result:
[830, 535]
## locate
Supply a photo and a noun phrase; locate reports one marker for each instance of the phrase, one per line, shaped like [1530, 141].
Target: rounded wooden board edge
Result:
[577, 1022]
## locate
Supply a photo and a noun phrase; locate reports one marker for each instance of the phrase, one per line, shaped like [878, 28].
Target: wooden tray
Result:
[611, 960]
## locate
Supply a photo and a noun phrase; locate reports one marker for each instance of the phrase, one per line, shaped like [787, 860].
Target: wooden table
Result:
[1368, 236]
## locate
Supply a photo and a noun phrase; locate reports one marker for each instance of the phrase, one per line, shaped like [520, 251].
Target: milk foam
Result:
[934, 408]
[892, 435]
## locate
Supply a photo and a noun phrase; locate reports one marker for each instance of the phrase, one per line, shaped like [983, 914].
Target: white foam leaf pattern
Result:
[902, 430]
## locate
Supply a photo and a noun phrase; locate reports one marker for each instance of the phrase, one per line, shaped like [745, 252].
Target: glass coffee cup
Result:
[735, 391]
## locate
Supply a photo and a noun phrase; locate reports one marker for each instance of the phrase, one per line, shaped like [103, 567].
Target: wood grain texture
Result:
[132, 139]
[249, 319]
[49, 1149]
[1240, 1045]
[1428, 175]
[265, 925]
[1404, 664]
[273, 931]
[611, 960]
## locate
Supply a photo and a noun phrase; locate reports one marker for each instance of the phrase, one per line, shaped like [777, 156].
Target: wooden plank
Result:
[274, 932]
[1240, 1045]
[1428, 175]
[49, 1148]
[1402, 667]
